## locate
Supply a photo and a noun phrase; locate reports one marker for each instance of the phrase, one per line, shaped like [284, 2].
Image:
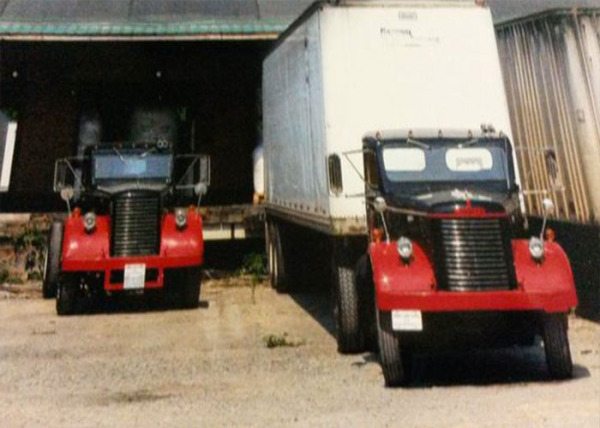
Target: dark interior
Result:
[214, 87]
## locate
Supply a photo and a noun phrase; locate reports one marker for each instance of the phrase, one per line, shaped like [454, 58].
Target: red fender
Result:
[553, 275]
[546, 286]
[80, 245]
[90, 252]
[391, 273]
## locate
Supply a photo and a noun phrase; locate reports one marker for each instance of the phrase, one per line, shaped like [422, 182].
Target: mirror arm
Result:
[543, 226]
[385, 228]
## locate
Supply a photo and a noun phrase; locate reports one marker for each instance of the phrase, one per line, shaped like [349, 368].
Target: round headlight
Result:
[536, 248]
[180, 217]
[405, 248]
[89, 222]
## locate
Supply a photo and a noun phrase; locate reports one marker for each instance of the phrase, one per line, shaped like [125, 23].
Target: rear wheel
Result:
[276, 256]
[394, 365]
[556, 345]
[52, 260]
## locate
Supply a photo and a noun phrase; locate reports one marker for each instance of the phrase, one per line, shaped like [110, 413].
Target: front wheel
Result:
[52, 260]
[556, 345]
[366, 291]
[68, 300]
[350, 338]
[394, 365]
[189, 297]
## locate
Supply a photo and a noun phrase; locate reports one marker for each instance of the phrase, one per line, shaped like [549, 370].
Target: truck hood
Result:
[447, 201]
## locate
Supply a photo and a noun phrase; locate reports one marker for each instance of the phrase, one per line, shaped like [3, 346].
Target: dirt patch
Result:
[210, 367]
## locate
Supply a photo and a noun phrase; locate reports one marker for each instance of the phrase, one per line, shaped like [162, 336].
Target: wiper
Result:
[147, 152]
[469, 143]
[417, 143]
[120, 155]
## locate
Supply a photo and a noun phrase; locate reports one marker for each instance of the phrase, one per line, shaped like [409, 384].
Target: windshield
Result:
[440, 165]
[137, 165]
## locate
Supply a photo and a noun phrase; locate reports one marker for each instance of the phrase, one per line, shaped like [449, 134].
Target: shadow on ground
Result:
[514, 365]
[479, 367]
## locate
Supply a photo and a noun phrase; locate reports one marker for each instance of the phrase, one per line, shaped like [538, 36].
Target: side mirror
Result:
[67, 193]
[379, 204]
[547, 206]
[200, 189]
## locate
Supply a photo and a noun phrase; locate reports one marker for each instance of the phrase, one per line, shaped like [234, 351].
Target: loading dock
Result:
[64, 59]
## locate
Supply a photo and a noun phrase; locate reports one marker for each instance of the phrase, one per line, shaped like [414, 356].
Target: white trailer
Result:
[347, 69]
[340, 72]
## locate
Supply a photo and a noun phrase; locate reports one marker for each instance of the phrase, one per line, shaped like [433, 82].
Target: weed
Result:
[281, 341]
[255, 265]
[32, 243]
[35, 276]
[4, 275]
[16, 280]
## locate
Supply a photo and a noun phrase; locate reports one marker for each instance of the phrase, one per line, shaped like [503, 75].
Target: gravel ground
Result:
[132, 366]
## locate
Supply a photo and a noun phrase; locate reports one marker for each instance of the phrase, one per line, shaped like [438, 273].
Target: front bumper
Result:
[112, 269]
[446, 301]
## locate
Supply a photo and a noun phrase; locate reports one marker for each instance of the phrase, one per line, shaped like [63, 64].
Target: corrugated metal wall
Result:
[551, 66]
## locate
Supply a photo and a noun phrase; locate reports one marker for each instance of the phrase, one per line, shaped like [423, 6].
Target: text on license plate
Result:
[134, 276]
[407, 320]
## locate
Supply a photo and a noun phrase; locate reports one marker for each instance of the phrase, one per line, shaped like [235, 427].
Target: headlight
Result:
[536, 248]
[405, 249]
[180, 217]
[89, 222]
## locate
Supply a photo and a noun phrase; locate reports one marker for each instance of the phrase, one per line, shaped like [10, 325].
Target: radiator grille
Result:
[136, 230]
[474, 254]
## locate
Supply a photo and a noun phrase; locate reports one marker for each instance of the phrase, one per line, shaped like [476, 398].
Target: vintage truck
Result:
[133, 222]
[423, 227]
[448, 260]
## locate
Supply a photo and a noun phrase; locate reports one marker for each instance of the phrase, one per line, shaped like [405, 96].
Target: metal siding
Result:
[551, 68]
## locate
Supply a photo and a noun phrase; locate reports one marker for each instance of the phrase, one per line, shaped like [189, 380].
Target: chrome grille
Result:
[135, 230]
[474, 254]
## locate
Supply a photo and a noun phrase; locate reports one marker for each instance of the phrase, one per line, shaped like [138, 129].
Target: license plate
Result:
[407, 321]
[134, 276]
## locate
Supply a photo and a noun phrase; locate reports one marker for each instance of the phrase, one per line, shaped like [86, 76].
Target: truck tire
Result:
[276, 254]
[189, 294]
[68, 300]
[366, 291]
[556, 345]
[52, 260]
[390, 356]
[350, 339]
